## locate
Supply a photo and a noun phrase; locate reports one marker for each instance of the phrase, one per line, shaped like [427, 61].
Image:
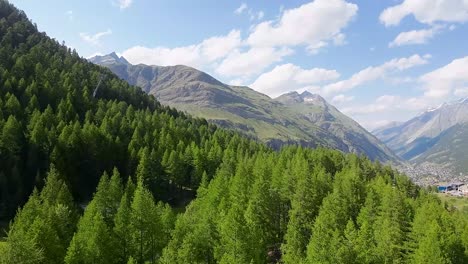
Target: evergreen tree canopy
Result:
[117, 178]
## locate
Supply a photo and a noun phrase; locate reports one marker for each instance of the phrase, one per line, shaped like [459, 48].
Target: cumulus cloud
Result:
[311, 24]
[373, 125]
[381, 104]
[69, 14]
[427, 12]
[243, 7]
[218, 47]
[461, 92]
[252, 61]
[289, 77]
[376, 72]
[260, 15]
[198, 55]
[95, 39]
[94, 55]
[341, 98]
[414, 37]
[123, 4]
[451, 77]
[439, 86]
[267, 43]
[339, 40]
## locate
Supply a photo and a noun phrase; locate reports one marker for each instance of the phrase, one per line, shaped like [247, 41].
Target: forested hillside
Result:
[113, 171]
[49, 115]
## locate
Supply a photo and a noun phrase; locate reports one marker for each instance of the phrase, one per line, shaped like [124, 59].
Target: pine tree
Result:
[45, 225]
[11, 138]
[365, 242]
[122, 229]
[94, 241]
[391, 226]
[429, 248]
[310, 191]
[260, 213]
[145, 226]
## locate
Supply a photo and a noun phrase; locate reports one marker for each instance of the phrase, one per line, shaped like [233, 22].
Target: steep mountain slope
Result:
[334, 126]
[434, 136]
[450, 150]
[292, 118]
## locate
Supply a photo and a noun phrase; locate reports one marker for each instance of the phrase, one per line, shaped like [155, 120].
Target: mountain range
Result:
[297, 118]
[438, 136]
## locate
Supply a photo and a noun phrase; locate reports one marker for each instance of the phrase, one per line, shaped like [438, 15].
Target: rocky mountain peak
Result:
[109, 59]
[301, 118]
[305, 97]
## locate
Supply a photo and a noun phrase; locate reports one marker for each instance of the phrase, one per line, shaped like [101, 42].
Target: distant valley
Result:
[305, 118]
[435, 141]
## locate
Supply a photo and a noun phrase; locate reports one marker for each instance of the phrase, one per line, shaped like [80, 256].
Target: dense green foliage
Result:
[120, 160]
[304, 206]
[48, 115]
[293, 206]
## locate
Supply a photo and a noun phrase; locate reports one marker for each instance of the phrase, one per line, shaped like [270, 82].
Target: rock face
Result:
[306, 119]
[435, 136]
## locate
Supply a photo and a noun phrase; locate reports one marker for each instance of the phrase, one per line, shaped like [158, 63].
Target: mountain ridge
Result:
[433, 131]
[297, 118]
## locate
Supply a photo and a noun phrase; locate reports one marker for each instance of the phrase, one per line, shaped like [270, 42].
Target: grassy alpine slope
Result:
[305, 118]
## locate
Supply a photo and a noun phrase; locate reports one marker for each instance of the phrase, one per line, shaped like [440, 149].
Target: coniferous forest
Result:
[93, 170]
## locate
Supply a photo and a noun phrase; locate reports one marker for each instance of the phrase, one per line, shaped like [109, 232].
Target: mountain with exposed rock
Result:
[302, 118]
[438, 136]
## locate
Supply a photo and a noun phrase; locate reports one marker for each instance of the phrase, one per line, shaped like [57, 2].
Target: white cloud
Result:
[311, 25]
[233, 57]
[255, 15]
[218, 47]
[414, 37]
[69, 14]
[339, 39]
[461, 92]
[341, 98]
[94, 55]
[419, 103]
[315, 49]
[381, 104]
[289, 77]
[244, 8]
[441, 82]
[96, 38]
[123, 4]
[439, 86]
[199, 55]
[372, 125]
[241, 9]
[426, 11]
[376, 72]
[251, 62]
[260, 15]
[237, 82]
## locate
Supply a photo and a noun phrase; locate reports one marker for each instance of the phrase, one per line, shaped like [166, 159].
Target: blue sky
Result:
[377, 61]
